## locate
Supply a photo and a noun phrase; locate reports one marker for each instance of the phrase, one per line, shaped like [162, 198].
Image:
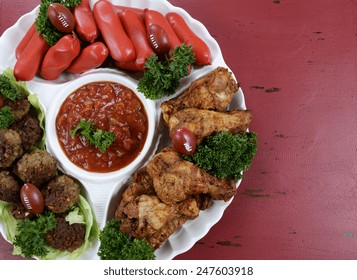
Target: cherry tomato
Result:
[158, 39]
[61, 17]
[157, 18]
[184, 141]
[32, 199]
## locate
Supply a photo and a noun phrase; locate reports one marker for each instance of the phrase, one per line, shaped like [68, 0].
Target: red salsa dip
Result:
[112, 107]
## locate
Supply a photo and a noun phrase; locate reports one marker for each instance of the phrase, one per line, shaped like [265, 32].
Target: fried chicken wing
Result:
[170, 190]
[154, 212]
[176, 180]
[143, 215]
[128, 207]
[165, 194]
[205, 122]
[186, 210]
[213, 91]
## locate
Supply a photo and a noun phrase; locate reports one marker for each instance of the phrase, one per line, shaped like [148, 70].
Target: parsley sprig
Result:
[116, 245]
[30, 237]
[101, 139]
[6, 117]
[8, 89]
[163, 77]
[225, 155]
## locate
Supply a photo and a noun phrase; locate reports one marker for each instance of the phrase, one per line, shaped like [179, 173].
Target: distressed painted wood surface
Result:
[296, 62]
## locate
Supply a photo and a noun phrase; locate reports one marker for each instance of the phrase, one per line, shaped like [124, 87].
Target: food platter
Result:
[103, 190]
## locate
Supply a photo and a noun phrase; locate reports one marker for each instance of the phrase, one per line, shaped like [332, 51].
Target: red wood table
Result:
[297, 65]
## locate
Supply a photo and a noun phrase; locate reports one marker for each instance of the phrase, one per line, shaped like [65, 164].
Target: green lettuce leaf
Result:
[74, 217]
[19, 84]
[83, 210]
[8, 220]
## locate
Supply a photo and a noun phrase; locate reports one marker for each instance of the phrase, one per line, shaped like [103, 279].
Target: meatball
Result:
[19, 212]
[61, 194]
[19, 108]
[65, 236]
[9, 187]
[37, 167]
[10, 147]
[29, 130]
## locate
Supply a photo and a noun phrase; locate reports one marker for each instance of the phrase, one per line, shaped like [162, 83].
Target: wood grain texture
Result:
[296, 63]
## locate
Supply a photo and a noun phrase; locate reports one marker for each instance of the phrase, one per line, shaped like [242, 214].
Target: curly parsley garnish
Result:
[225, 155]
[6, 117]
[116, 245]
[31, 235]
[8, 89]
[163, 77]
[101, 139]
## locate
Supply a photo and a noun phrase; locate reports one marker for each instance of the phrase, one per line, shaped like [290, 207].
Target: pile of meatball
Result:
[21, 163]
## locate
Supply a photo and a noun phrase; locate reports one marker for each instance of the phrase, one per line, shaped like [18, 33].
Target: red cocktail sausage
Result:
[60, 56]
[119, 45]
[28, 64]
[90, 57]
[25, 40]
[135, 28]
[120, 9]
[86, 27]
[186, 35]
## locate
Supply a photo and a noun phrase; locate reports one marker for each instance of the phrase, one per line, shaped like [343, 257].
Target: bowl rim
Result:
[52, 142]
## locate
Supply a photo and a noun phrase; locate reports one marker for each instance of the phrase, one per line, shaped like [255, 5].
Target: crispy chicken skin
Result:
[205, 122]
[143, 215]
[213, 91]
[151, 210]
[186, 210]
[176, 179]
[127, 211]
[170, 190]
